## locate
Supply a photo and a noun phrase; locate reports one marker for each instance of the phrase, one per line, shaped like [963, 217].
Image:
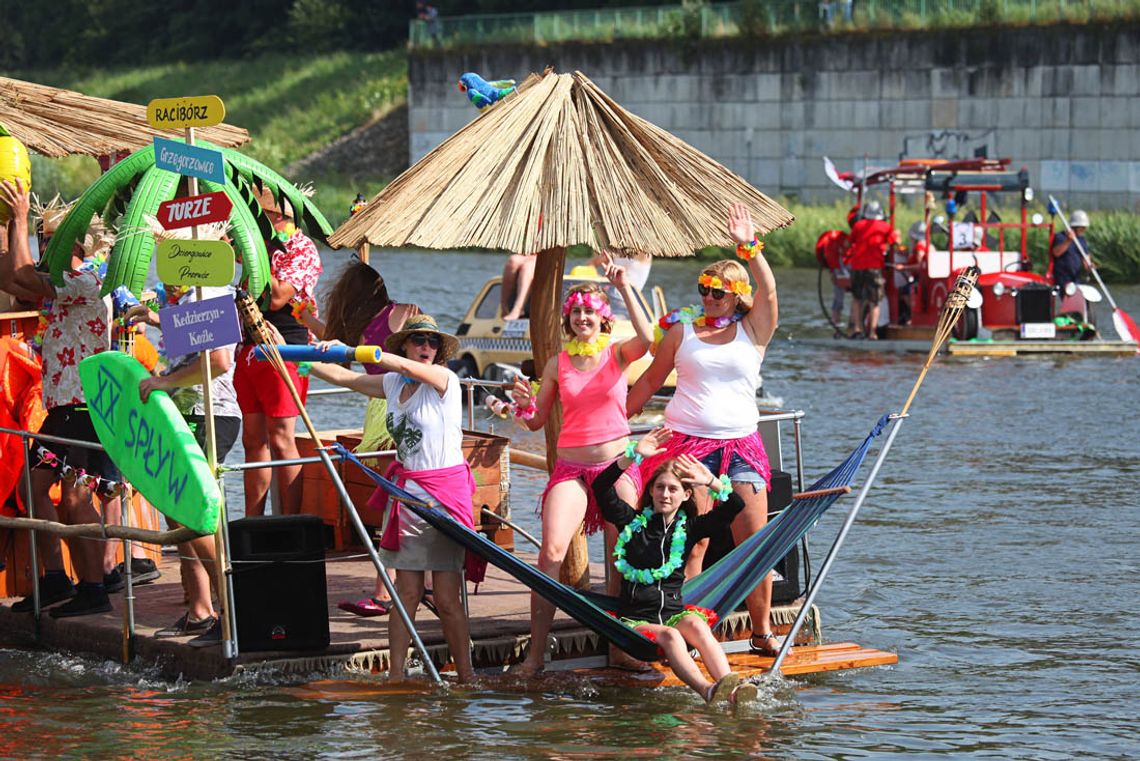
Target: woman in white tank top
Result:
[716, 349]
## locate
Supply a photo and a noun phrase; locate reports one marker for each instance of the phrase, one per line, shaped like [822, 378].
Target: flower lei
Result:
[104, 487]
[300, 306]
[750, 250]
[593, 301]
[650, 575]
[725, 488]
[692, 315]
[739, 287]
[576, 348]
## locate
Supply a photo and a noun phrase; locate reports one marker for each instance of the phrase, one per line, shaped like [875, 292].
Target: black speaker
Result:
[280, 598]
[786, 588]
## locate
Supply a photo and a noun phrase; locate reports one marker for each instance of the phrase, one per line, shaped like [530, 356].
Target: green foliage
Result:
[292, 104]
[1112, 238]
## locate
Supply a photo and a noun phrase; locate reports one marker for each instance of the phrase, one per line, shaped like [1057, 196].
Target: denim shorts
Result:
[739, 471]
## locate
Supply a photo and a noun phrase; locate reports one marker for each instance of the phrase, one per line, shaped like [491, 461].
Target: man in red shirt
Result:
[830, 249]
[871, 236]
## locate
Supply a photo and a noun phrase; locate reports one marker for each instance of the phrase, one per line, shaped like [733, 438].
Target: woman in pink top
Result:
[588, 378]
[716, 349]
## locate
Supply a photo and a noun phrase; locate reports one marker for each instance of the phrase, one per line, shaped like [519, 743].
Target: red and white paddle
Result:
[1125, 326]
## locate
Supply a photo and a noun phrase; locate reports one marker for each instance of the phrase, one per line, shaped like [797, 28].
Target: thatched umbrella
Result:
[57, 123]
[557, 164]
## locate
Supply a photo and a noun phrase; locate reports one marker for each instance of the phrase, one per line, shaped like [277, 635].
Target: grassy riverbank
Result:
[292, 105]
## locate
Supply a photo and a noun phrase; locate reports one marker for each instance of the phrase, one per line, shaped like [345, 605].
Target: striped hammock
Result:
[722, 587]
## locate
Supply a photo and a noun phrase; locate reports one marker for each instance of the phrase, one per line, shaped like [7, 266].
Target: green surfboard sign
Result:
[150, 442]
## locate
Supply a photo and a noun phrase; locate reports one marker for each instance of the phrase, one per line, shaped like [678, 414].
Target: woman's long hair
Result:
[353, 301]
[673, 466]
[729, 269]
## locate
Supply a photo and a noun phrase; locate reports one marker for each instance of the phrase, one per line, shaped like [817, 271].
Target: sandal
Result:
[723, 688]
[767, 650]
[367, 608]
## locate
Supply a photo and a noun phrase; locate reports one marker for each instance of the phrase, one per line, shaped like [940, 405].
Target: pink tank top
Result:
[593, 403]
[376, 333]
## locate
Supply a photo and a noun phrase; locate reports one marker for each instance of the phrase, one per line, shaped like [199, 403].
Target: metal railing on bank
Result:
[757, 18]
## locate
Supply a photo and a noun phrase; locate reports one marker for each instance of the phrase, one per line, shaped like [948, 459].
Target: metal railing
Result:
[753, 18]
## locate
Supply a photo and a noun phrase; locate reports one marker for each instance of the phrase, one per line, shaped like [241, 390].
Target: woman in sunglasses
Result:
[425, 417]
[588, 377]
[716, 348]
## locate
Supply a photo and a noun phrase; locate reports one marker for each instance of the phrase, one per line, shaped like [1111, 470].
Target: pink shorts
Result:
[568, 470]
[260, 389]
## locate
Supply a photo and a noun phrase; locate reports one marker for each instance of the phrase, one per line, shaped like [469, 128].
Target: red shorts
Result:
[260, 389]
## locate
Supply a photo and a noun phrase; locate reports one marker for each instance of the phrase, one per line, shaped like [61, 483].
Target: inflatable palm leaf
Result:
[130, 258]
[93, 201]
[307, 215]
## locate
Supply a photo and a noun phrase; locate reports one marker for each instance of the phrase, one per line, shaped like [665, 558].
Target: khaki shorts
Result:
[867, 285]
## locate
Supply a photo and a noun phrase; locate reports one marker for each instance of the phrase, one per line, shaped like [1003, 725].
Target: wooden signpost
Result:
[194, 163]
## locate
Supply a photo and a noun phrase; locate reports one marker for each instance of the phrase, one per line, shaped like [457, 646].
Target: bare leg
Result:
[410, 587]
[511, 269]
[751, 519]
[522, 276]
[198, 575]
[47, 543]
[283, 446]
[254, 439]
[698, 634]
[857, 314]
[77, 506]
[381, 591]
[677, 656]
[561, 516]
[446, 591]
[873, 321]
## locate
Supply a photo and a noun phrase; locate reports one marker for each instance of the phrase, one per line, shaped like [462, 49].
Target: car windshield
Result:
[617, 304]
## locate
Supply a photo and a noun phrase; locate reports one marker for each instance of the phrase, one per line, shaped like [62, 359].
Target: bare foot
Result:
[526, 669]
[511, 316]
[619, 659]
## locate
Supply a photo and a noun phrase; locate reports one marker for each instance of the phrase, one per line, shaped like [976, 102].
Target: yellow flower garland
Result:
[576, 348]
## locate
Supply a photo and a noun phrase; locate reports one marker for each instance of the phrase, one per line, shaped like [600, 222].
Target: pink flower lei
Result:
[593, 301]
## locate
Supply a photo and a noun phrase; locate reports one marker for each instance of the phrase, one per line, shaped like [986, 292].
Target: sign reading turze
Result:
[194, 210]
[195, 262]
[179, 113]
[189, 160]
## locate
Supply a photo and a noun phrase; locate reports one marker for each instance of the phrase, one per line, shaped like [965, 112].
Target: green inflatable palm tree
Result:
[134, 188]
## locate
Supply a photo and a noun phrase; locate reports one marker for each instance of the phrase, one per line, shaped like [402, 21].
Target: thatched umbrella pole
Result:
[546, 338]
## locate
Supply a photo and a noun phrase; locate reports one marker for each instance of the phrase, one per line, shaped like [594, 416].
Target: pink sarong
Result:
[750, 448]
[568, 470]
[450, 487]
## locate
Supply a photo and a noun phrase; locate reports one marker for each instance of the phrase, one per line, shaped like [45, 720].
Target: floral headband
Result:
[593, 301]
[739, 287]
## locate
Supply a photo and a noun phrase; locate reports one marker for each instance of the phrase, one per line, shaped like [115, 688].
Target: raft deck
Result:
[500, 614]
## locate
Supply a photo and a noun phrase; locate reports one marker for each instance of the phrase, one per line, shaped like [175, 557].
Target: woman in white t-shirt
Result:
[425, 421]
[717, 348]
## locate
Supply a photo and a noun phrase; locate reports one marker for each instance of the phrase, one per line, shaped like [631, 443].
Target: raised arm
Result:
[18, 273]
[634, 348]
[654, 377]
[764, 315]
[369, 385]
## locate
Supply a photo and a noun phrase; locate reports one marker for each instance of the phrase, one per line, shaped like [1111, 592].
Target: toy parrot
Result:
[482, 93]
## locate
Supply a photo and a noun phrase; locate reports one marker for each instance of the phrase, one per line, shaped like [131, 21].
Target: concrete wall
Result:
[1061, 101]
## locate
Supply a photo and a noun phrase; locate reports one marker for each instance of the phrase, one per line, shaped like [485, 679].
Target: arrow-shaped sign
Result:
[194, 210]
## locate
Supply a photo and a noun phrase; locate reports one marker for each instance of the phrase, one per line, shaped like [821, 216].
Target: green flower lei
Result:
[649, 575]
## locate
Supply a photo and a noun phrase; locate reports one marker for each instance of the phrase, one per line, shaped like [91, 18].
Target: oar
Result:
[1125, 326]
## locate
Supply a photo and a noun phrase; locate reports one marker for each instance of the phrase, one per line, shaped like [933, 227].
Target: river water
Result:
[996, 555]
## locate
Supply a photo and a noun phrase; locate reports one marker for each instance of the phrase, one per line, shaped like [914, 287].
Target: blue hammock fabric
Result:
[721, 587]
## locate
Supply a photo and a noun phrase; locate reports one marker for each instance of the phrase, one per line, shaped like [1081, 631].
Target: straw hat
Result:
[423, 323]
[269, 203]
[1078, 219]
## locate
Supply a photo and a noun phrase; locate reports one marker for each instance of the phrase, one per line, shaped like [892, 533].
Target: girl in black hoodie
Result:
[650, 555]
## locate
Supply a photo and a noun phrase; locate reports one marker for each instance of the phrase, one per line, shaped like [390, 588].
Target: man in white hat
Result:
[1067, 259]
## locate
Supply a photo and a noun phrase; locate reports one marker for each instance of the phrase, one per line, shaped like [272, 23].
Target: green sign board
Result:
[195, 262]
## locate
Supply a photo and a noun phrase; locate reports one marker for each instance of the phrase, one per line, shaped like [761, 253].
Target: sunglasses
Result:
[704, 290]
[422, 339]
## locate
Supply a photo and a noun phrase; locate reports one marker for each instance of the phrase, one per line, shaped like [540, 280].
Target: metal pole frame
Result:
[831, 555]
[381, 569]
[33, 555]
